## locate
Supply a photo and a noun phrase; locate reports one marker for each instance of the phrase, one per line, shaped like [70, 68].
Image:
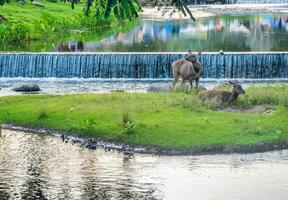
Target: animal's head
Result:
[193, 56]
[237, 88]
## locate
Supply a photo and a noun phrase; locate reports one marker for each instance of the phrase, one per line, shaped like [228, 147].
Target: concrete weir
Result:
[248, 65]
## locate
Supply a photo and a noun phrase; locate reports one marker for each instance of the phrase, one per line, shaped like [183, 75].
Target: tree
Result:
[128, 9]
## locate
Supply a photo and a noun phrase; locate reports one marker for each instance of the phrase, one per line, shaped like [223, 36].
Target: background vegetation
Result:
[23, 21]
[52, 24]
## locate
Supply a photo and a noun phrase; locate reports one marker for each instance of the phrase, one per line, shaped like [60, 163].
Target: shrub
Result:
[14, 32]
[127, 124]
[88, 125]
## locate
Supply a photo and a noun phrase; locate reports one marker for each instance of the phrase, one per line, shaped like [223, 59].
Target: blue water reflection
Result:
[230, 33]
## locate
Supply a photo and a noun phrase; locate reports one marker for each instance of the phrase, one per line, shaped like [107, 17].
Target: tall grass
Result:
[276, 95]
[37, 24]
[42, 112]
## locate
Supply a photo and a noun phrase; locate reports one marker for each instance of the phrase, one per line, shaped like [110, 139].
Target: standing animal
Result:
[224, 96]
[187, 69]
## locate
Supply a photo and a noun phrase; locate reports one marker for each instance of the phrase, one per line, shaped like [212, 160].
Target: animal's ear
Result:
[235, 82]
[189, 51]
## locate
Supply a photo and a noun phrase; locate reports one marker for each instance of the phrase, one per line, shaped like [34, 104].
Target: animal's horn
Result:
[231, 83]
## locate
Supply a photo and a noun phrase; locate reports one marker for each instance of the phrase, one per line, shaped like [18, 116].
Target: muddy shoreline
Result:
[94, 143]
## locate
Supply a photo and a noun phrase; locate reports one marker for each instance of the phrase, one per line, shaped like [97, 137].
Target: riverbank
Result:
[168, 123]
[201, 11]
[29, 27]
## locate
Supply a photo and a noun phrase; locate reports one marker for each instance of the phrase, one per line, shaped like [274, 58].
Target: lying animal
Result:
[224, 96]
[187, 69]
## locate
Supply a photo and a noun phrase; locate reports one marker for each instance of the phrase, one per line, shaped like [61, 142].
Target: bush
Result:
[14, 32]
[87, 126]
[127, 124]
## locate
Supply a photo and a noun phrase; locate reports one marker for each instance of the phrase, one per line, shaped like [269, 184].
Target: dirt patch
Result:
[257, 109]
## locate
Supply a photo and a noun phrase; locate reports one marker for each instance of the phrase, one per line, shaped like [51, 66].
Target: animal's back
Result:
[214, 94]
[176, 65]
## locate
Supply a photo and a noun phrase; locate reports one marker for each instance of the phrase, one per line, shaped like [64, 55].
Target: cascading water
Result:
[140, 65]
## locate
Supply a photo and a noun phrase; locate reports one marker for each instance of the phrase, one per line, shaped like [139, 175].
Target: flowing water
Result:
[140, 65]
[34, 166]
[57, 86]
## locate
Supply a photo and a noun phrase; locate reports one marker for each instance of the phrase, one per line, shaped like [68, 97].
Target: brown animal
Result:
[224, 96]
[187, 69]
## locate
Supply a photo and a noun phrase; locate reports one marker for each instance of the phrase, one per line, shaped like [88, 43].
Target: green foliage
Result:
[269, 95]
[120, 9]
[14, 32]
[129, 9]
[179, 5]
[87, 126]
[127, 124]
[128, 128]
[43, 27]
[3, 1]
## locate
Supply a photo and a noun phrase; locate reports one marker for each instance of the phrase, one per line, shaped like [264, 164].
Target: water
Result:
[39, 166]
[56, 86]
[140, 65]
[263, 32]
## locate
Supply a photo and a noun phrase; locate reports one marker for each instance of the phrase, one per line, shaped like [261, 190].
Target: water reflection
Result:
[230, 33]
[42, 167]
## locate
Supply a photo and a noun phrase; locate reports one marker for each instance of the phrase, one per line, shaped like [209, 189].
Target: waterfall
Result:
[140, 65]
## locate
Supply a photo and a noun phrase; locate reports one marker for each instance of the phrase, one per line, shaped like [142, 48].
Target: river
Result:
[34, 166]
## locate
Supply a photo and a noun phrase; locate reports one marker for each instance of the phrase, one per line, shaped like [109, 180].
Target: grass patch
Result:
[42, 113]
[31, 28]
[171, 119]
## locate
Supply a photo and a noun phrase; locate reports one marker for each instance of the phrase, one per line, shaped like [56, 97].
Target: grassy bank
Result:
[33, 28]
[173, 119]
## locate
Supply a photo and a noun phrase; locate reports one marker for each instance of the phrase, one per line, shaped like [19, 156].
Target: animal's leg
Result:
[175, 81]
[191, 83]
[197, 82]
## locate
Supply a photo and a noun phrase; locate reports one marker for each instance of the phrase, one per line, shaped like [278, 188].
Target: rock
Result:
[27, 88]
[36, 3]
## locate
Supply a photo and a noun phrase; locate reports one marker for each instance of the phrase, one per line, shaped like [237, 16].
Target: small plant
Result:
[128, 128]
[127, 124]
[88, 125]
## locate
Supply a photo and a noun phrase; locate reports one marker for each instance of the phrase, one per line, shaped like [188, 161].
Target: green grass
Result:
[31, 28]
[172, 119]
